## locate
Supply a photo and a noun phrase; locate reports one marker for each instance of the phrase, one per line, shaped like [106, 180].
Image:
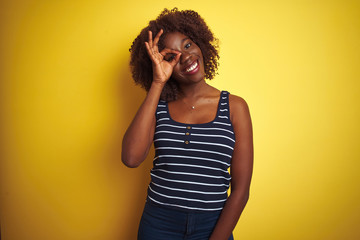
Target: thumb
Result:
[175, 60]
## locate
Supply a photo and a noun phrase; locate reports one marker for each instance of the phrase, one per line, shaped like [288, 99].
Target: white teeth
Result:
[192, 67]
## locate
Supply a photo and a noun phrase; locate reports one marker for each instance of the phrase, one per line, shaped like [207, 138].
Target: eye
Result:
[187, 45]
[169, 57]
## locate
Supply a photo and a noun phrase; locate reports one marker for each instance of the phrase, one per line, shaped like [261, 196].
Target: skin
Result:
[180, 53]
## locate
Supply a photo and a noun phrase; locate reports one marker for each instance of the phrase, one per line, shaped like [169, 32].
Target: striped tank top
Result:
[190, 168]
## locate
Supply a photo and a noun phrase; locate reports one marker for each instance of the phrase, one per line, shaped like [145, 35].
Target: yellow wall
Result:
[67, 98]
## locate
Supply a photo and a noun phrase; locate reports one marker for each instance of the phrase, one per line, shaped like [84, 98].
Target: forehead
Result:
[174, 40]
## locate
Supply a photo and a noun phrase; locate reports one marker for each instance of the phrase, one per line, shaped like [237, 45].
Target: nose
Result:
[185, 57]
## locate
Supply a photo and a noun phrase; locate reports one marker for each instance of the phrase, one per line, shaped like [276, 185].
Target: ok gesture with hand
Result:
[162, 69]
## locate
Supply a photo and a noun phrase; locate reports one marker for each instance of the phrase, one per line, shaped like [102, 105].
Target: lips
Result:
[192, 68]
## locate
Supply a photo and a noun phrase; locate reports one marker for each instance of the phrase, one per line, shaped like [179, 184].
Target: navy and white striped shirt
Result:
[190, 168]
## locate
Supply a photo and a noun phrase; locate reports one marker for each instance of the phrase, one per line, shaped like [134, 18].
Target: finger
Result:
[167, 51]
[148, 48]
[156, 40]
[149, 51]
[175, 60]
[150, 39]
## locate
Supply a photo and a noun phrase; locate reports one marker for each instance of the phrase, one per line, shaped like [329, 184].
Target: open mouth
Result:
[193, 67]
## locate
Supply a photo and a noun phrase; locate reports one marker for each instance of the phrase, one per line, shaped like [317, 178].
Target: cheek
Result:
[176, 69]
[176, 72]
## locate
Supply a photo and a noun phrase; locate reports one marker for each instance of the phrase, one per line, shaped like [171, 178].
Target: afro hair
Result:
[187, 22]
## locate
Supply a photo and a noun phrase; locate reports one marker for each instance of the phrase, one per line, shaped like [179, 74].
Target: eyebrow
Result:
[184, 39]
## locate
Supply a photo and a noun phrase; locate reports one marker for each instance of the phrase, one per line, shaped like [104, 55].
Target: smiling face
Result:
[190, 68]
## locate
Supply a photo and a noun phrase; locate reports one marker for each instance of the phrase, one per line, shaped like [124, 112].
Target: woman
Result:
[198, 133]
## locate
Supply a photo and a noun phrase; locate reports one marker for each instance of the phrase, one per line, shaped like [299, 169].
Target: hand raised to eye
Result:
[162, 68]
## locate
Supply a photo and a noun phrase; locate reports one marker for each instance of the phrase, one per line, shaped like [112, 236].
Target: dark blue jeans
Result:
[161, 223]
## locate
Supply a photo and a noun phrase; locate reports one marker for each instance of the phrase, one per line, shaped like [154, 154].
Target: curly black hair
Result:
[187, 22]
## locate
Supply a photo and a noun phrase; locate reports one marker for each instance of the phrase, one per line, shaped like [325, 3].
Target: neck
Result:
[194, 90]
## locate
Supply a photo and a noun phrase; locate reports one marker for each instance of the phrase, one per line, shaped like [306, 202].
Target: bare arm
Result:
[241, 170]
[139, 135]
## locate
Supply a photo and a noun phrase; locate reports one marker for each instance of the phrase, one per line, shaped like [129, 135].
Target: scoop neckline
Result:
[197, 124]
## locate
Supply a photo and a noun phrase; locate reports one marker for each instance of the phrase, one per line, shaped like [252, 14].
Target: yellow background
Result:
[67, 98]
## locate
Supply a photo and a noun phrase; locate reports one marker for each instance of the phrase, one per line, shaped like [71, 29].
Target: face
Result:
[190, 68]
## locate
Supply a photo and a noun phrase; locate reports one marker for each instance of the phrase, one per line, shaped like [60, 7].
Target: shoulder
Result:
[239, 111]
[237, 101]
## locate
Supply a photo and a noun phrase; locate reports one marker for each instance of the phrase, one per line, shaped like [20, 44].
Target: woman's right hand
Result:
[162, 68]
